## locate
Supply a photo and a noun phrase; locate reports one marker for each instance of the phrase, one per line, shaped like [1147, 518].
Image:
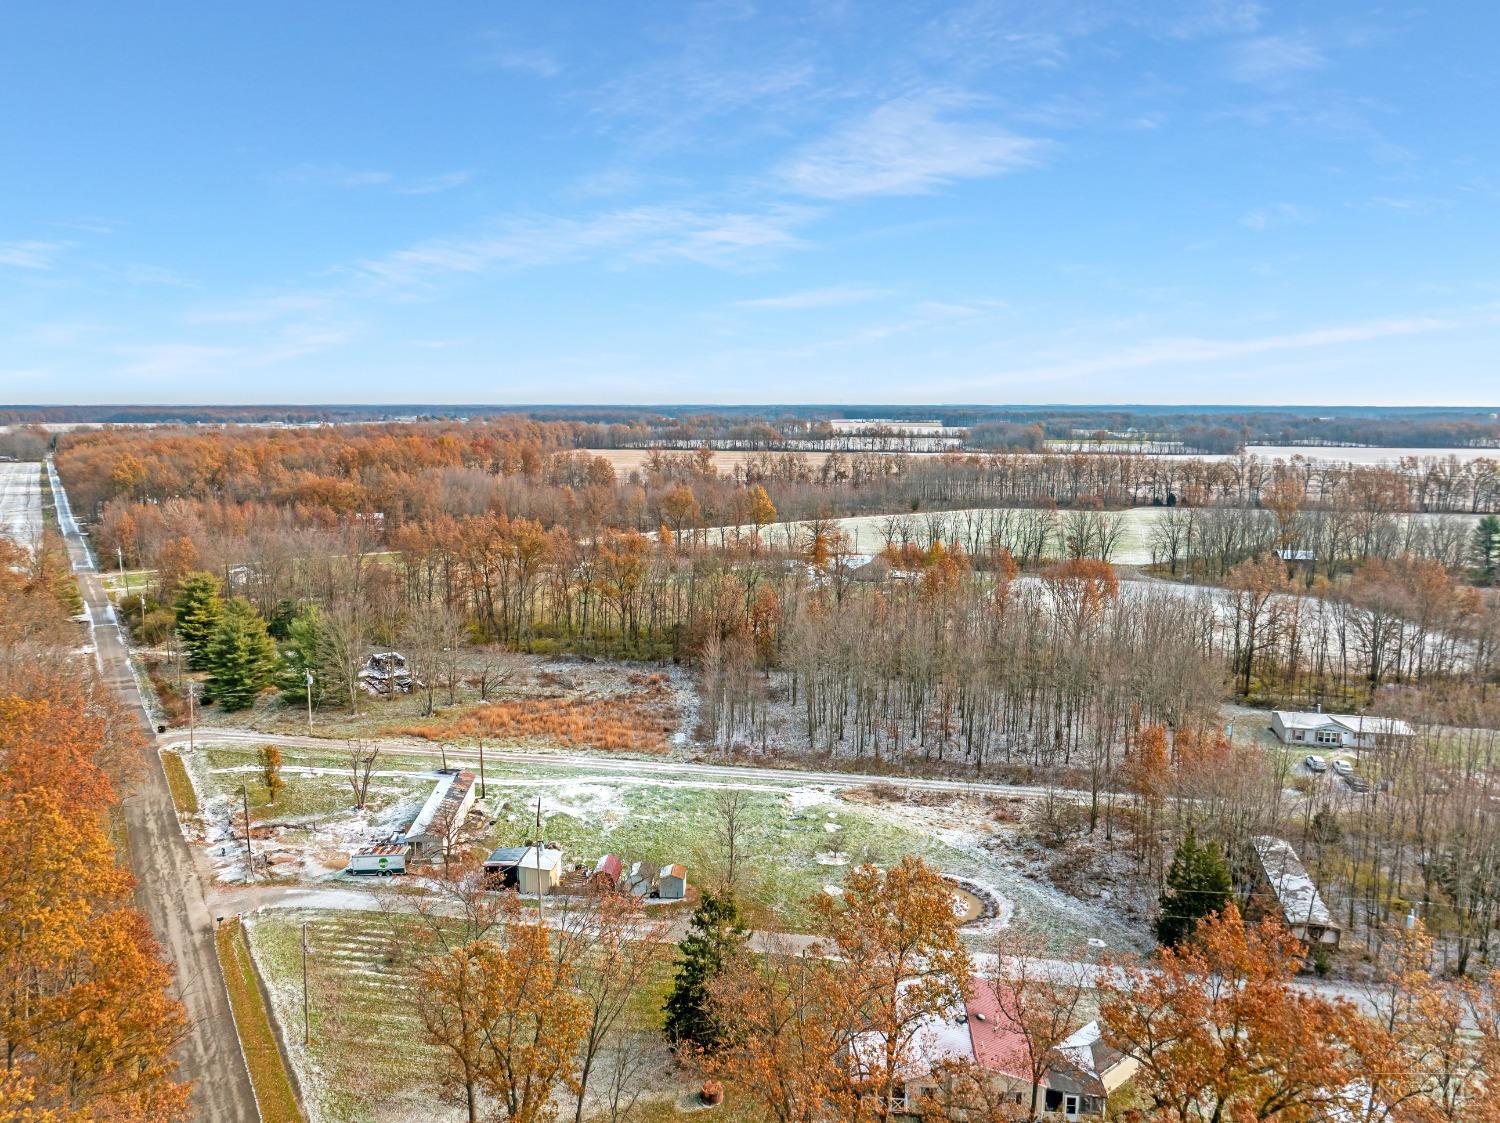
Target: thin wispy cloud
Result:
[1179, 351]
[433, 184]
[30, 255]
[342, 178]
[638, 234]
[525, 60]
[1274, 215]
[174, 360]
[1273, 60]
[909, 146]
[834, 296]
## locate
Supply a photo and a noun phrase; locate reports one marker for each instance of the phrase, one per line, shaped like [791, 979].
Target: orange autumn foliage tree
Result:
[830, 1033]
[87, 1024]
[789, 1037]
[506, 1019]
[895, 935]
[1222, 1033]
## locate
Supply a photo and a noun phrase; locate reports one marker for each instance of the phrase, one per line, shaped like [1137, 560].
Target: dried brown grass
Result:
[640, 720]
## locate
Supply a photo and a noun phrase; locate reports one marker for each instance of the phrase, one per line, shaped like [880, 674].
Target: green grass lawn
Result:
[183, 793]
[273, 1089]
[316, 783]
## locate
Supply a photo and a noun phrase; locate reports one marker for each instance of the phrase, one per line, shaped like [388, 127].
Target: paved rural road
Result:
[169, 884]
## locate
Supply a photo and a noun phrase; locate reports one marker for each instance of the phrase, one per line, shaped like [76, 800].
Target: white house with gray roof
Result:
[1317, 730]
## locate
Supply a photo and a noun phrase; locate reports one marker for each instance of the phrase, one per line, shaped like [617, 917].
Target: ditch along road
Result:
[169, 885]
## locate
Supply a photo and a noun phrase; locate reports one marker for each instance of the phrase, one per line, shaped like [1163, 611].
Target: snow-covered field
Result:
[1378, 455]
[21, 502]
[871, 533]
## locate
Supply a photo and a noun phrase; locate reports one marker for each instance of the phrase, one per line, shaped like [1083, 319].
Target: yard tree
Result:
[240, 656]
[1221, 1031]
[1080, 590]
[270, 771]
[681, 510]
[1254, 589]
[762, 513]
[715, 937]
[1037, 998]
[787, 1046]
[1198, 885]
[300, 654]
[895, 936]
[534, 1022]
[451, 1002]
[198, 608]
[613, 949]
[361, 757]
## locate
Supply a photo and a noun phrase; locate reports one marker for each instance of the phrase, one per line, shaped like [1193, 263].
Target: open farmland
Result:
[872, 533]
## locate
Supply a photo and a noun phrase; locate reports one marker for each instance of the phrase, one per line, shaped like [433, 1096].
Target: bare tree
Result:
[362, 756]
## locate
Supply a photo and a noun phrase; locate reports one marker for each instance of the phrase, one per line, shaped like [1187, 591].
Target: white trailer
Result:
[386, 858]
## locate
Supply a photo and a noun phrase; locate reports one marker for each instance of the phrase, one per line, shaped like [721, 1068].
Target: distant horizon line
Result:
[1207, 407]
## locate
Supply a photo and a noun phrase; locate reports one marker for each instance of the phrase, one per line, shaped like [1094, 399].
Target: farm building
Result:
[539, 870]
[1081, 1073]
[606, 873]
[382, 858]
[524, 868]
[437, 825]
[502, 864]
[1301, 905]
[1337, 731]
[638, 882]
[671, 883]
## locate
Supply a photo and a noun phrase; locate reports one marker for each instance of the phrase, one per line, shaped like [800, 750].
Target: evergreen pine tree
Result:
[713, 939]
[1198, 884]
[197, 609]
[1486, 548]
[306, 648]
[240, 656]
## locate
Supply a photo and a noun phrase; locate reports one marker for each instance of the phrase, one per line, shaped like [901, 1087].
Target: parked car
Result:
[1343, 768]
[1360, 784]
[1315, 763]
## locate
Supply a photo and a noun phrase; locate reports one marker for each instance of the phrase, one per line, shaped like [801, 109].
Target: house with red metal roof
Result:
[1080, 1073]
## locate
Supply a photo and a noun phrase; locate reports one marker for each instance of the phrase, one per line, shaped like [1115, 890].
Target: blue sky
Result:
[818, 201]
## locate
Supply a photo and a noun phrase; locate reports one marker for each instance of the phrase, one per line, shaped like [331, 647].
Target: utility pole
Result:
[306, 1020]
[249, 854]
[309, 700]
[538, 859]
[120, 557]
[481, 768]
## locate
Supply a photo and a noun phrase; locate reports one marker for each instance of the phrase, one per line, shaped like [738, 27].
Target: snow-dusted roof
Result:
[425, 816]
[541, 859]
[1353, 723]
[1086, 1050]
[1299, 897]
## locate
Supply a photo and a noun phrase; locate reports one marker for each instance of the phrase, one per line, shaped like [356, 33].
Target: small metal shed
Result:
[671, 883]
